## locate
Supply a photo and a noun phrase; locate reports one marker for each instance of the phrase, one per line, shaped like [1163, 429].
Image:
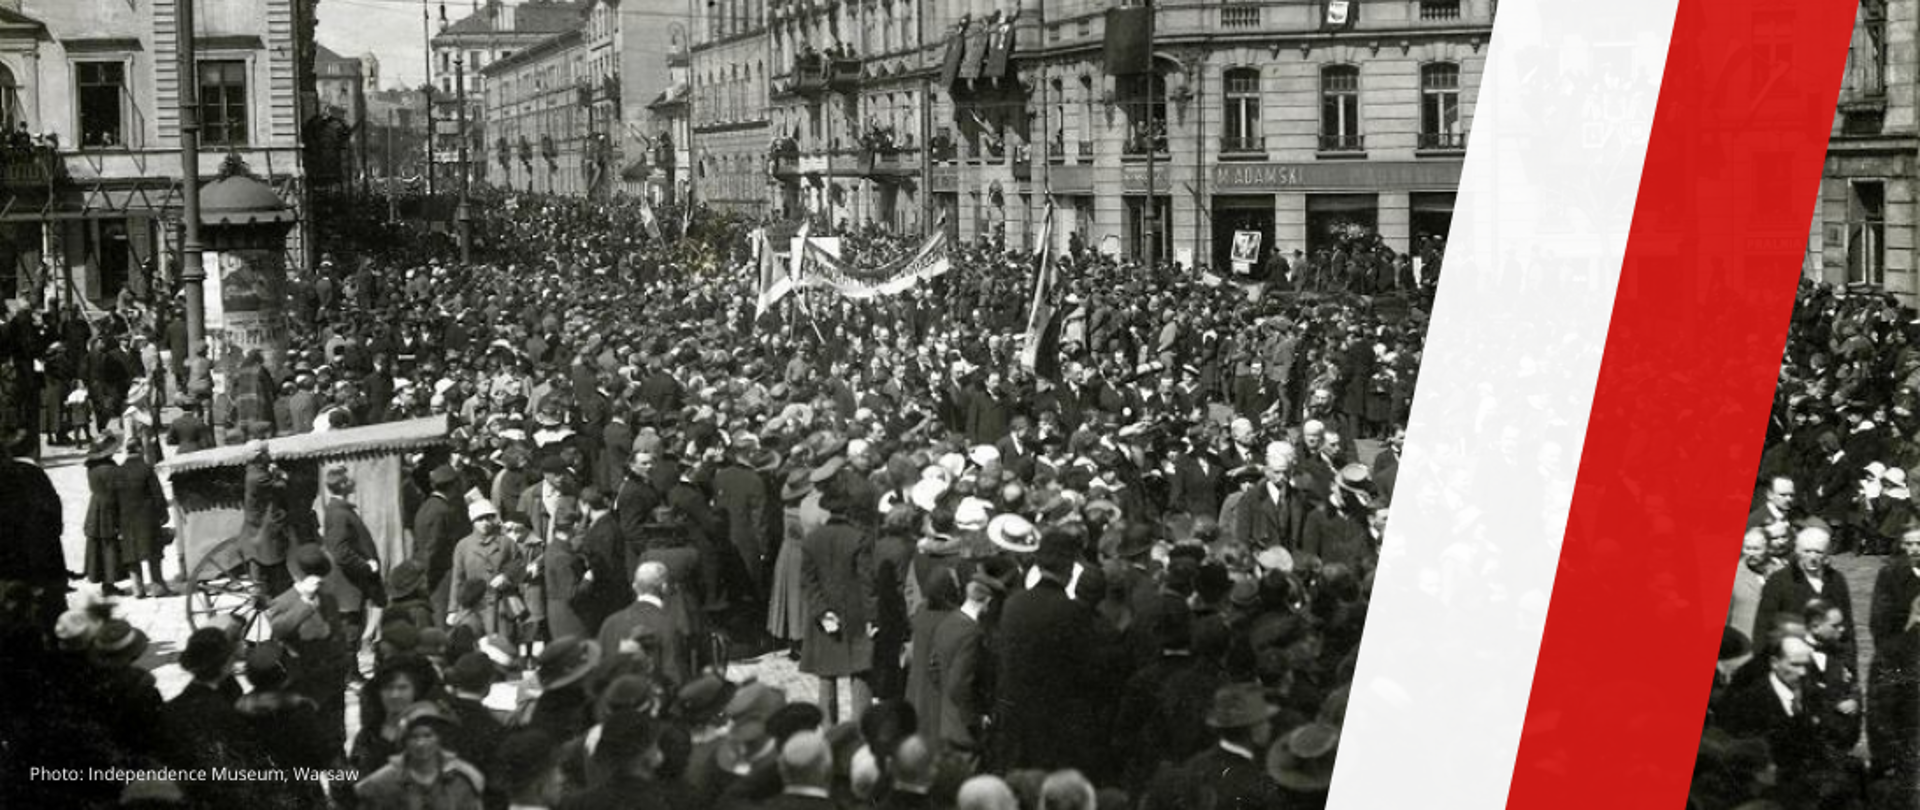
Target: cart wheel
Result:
[219, 586]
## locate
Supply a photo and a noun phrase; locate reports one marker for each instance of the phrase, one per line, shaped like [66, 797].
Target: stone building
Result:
[729, 103]
[1301, 122]
[533, 104]
[95, 209]
[1865, 218]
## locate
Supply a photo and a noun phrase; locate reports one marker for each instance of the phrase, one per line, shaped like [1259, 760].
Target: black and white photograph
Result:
[745, 404]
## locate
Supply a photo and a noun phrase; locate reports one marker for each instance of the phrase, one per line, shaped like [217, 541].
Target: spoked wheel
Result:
[219, 586]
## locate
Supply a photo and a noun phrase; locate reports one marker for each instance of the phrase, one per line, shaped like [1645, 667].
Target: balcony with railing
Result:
[843, 74]
[1243, 146]
[1138, 142]
[1443, 142]
[25, 167]
[1439, 10]
[1342, 144]
[1239, 16]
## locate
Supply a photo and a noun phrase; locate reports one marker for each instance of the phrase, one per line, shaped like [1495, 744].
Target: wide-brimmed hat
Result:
[1355, 478]
[764, 459]
[119, 641]
[797, 486]
[406, 578]
[925, 493]
[1099, 506]
[704, 698]
[1239, 706]
[104, 447]
[825, 472]
[207, 649]
[1303, 760]
[1013, 533]
[566, 661]
[972, 515]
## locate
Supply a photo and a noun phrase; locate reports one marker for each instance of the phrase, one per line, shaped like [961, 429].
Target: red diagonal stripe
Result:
[1681, 403]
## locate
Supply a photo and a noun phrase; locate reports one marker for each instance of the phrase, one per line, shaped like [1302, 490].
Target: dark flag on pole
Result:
[1129, 51]
[1035, 355]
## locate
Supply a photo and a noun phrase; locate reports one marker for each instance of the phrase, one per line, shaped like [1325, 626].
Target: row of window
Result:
[106, 105]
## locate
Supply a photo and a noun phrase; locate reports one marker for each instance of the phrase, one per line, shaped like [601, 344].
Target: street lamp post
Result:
[461, 214]
[192, 273]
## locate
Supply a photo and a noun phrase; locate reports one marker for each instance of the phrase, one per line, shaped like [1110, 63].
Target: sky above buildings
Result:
[389, 29]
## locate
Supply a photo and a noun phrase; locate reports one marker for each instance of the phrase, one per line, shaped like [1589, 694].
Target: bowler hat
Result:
[1303, 760]
[566, 661]
[119, 641]
[208, 650]
[1239, 706]
[310, 560]
[443, 475]
[405, 579]
[472, 673]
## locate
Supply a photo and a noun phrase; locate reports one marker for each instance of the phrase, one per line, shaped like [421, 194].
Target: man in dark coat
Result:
[1196, 484]
[437, 528]
[646, 625]
[1790, 589]
[1233, 773]
[1775, 707]
[306, 618]
[637, 498]
[33, 555]
[1045, 655]
[1274, 511]
[954, 671]
[264, 519]
[740, 496]
[356, 582]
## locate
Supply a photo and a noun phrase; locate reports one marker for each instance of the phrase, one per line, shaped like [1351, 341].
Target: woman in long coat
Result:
[787, 606]
[836, 573]
[143, 513]
[102, 526]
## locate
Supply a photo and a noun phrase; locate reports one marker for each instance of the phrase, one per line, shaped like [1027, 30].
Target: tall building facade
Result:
[1865, 220]
[462, 51]
[729, 106]
[97, 212]
[1302, 122]
[534, 113]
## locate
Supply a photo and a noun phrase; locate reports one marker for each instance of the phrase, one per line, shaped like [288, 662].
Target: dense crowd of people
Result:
[1136, 578]
[1800, 715]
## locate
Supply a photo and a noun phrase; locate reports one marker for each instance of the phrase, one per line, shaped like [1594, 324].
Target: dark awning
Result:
[956, 53]
[976, 52]
[999, 52]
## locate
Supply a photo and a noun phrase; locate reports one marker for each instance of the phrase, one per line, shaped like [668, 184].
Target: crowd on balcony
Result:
[1133, 575]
